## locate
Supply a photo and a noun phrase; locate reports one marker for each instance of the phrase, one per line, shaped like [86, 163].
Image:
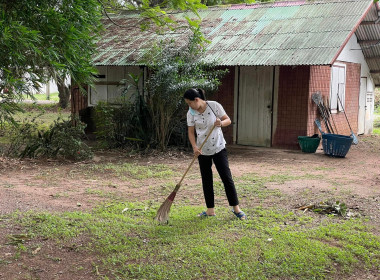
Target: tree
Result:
[174, 69]
[40, 39]
[148, 116]
[43, 39]
[154, 12]
[63, 93]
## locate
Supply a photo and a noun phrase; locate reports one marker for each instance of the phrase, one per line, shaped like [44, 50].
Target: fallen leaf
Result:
[36, 251]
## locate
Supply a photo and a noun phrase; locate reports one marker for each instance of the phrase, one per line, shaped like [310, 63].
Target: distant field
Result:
[376, 122]
[53, 96]
[44, 113]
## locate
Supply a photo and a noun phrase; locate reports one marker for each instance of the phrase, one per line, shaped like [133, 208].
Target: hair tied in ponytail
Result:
[193, 93]
[201, 93]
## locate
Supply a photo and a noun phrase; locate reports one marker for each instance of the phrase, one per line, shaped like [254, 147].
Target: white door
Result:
[255, 106]
[362, 105]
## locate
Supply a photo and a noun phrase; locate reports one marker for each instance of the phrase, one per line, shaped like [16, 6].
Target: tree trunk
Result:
[63, 94]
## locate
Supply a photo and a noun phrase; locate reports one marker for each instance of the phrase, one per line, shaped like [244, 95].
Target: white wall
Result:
[52, 87]
[108, 88]
[352, 52]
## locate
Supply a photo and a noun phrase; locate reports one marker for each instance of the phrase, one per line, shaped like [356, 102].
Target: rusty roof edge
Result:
[352, 32]
[271, 4]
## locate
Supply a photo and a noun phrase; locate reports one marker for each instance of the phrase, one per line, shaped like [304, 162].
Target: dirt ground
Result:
[57, 186]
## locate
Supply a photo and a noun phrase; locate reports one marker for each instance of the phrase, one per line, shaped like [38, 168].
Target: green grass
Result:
[49, 107]
[126, 171]
[126, 243]
[376, 122]
[270, 245]
[253, 184]
[42, 114]
[52, 97]
[46, 118]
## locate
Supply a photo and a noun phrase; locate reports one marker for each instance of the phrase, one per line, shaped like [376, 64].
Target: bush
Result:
[173, 70]
[133, 123]
[126, 124]
[156, 116]
[61, 139]
[105, 125]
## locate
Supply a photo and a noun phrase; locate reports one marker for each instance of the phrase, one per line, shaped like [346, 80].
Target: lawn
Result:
[125, 242]
[108, 231]
[376, 122]
[43, 115]
[52, 97]
[270, 245]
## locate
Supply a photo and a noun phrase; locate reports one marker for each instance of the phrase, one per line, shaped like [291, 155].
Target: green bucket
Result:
[309, 144]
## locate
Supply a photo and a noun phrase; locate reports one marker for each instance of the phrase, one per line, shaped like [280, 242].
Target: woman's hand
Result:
[223, 121]
[196, 151]
[218, 122]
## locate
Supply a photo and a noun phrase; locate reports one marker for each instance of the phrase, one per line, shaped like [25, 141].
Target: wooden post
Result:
[78, 101]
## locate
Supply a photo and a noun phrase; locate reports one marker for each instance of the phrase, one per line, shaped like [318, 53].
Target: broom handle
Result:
[191, 163]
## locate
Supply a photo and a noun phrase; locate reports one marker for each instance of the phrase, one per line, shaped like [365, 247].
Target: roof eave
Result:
[351, 33]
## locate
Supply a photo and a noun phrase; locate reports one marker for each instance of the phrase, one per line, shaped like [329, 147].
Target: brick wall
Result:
[225, 96]
[293, 106]
[79, 107]
[296, 109]
[351, 101]
[320, 77]
[78, 100]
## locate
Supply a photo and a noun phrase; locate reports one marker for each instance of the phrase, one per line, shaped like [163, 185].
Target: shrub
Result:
[61, 139]
[133, 123]
[104, 123]
[158, 117]
[173, 70]
[129, 123]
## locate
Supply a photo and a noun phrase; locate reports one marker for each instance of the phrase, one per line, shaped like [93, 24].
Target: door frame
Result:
[362, 103]
[270, 107]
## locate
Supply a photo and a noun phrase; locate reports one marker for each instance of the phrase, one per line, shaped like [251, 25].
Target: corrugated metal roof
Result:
[368, 35]
[280, 33]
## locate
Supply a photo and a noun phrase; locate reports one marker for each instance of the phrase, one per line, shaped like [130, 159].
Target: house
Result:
[278, 54]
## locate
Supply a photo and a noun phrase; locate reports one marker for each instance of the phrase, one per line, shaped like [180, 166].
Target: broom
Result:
[163, 212]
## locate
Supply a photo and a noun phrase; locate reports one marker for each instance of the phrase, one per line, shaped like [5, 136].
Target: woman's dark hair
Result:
[193, 93]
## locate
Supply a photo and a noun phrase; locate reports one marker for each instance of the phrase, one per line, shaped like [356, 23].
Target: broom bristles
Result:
[163, 212]
[162, 215]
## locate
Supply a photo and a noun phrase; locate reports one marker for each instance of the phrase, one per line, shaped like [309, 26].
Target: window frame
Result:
[338, 86]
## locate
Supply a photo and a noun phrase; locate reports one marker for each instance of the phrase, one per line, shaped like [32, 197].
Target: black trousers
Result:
[221, 163]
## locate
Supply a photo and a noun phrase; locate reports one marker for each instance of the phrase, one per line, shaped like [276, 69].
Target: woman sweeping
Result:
[201, 118]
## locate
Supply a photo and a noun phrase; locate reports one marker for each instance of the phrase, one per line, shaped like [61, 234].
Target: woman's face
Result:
[194, 104]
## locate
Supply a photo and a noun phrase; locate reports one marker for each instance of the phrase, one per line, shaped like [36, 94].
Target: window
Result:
[338, 87]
